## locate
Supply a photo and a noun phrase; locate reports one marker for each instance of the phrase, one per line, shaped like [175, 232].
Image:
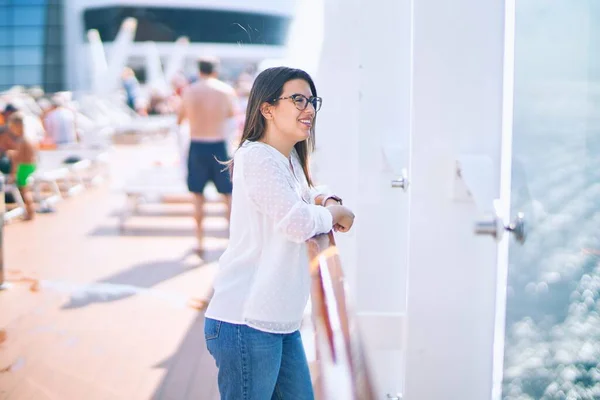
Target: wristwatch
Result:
[331, 196]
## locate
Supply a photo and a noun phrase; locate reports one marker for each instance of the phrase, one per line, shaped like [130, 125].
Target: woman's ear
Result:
[266, 110]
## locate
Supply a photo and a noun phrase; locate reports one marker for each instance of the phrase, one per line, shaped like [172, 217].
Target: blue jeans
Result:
[256, 365]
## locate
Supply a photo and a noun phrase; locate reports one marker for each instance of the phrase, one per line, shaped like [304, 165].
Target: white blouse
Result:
[263, 279]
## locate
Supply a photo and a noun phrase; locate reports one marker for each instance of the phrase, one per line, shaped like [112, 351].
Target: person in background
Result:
[208, 105]
[9, 109]
[59, 123]
[33, 127]
[131, 87]
[22, 155]
[5, 146]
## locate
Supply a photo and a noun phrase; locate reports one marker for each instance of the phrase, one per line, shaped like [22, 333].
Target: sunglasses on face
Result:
[301, 101]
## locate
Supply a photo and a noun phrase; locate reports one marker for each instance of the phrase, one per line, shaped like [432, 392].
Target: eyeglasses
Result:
[301, 101]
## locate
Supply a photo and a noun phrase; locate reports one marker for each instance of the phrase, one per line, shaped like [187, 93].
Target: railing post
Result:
[340, 354]
[3, 285]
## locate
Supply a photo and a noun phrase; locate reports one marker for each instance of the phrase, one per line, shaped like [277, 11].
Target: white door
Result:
[552, 326]
[384, 126]
[362, 146]
[506, 105]
[456, 137]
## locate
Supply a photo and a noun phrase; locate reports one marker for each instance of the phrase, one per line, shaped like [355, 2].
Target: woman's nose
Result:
[310, 109]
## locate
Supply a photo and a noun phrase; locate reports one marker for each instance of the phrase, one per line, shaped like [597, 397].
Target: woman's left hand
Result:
[339, 228]
[345, 222]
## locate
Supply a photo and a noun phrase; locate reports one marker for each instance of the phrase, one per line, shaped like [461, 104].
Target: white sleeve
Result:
[273, 195]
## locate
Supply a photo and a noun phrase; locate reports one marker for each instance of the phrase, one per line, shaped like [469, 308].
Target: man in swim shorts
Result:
[208, 105]
[22, 154]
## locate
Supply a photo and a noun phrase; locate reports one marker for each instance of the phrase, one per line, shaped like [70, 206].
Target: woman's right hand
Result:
[343, 218]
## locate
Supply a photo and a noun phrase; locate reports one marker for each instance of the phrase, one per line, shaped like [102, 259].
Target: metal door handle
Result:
[495, 227]
[402, 181]
[517, 228]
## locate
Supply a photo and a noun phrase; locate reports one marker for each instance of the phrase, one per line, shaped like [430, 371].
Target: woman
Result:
[263, 283]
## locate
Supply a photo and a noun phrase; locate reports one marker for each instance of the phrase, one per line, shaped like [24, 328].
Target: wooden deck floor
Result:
[108, 314]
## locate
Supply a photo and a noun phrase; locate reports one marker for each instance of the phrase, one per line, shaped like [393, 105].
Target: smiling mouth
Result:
[306, 122]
